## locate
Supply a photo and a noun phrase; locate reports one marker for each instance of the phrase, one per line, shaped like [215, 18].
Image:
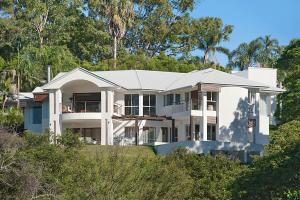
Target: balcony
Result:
[81, 107]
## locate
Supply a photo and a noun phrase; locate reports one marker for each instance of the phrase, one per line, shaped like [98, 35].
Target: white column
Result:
[141, 105]
[204, 116]
[256, 114]
[110, 107]
[58, 112]
[110, 102]
[103, 101]
[103, 131]
[55, 111]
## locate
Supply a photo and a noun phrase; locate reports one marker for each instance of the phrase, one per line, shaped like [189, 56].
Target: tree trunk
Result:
[206, 56]
[115, 52]
[18, 91]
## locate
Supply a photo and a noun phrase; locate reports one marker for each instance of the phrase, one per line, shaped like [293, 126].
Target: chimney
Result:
[49, 72]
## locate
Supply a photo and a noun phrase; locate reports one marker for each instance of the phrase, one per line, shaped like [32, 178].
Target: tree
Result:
[208, 33]
[269, 51]
[118, 15]
[277, 172]
[160, 26]
[246, 55]
[289, 66]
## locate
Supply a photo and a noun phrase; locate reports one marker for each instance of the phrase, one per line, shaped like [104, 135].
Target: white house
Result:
[205, 110]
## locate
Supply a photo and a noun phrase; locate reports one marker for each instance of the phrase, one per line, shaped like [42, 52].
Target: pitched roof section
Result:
[166, 81]
[78, 74]
[141, 79]
[212, 76]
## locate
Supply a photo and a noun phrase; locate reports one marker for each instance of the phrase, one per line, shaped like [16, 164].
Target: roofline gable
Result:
[46, 86]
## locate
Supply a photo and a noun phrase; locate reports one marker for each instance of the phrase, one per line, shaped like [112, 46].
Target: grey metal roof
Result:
[166, 81]
[212, 76]
[141, 79]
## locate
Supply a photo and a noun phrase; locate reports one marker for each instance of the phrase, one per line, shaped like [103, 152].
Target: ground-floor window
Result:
[188, 132]
[174, 135]
[211, 132]
[129, 132]
[90, 135]
[197, 131]
[149, 135]
[164, 132]
[36, 114]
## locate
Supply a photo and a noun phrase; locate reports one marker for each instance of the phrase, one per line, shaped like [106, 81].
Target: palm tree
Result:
[269, 52]
[119, 14]
[246, 55]
[208, 33]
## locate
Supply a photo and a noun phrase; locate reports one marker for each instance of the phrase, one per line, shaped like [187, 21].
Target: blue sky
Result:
[253, 18]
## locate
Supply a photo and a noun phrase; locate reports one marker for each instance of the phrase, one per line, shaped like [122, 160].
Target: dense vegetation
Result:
[143, 34]
[31, 168]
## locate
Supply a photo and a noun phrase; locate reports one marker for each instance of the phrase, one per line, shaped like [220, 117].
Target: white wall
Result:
[233, 114]
[267, 76]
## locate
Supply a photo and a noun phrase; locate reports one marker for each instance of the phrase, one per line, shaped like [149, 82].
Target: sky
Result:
[252, 19]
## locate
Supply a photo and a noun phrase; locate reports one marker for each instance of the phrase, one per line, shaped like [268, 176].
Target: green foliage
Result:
[260, 52]
[208, 33]
[69, 139]
[11, 119]
[289, 68]
[36, 139]
[276, 173]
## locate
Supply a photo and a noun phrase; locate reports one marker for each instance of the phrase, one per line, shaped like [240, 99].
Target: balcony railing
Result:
[81, 106]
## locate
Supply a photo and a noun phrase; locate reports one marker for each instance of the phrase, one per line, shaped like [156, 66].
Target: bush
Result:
[69, 139]
[11, 120]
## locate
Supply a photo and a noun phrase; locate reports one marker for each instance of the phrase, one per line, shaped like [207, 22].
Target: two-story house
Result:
[157, 108]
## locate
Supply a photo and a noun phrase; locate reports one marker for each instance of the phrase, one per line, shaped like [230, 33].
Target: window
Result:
[211, 101]
[149, 104]
[131, 104]
[197, 132]
[196, 100]
[149, 135]
[129, 132]
[177, 99]
[164, 131]
[187, 132]
[168, 99]
[37, 115]
[87, 102]
[187, 100]
[175, 135]
[211, 132]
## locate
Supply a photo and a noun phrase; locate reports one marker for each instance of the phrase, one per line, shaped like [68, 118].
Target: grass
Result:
[92, 151]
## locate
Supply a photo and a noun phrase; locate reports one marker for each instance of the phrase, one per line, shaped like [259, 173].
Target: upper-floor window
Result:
[131, 104]
[149, 104]
[168, 99]
[86, 102]
[177, 98]
[211, 100]
[37, 115]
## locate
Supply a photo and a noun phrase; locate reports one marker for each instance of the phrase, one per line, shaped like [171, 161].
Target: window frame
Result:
[134, 109]
[37, 119]
[212, 101]
[211, 136]
[168, 99]
[164, 134]
[151, 109]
